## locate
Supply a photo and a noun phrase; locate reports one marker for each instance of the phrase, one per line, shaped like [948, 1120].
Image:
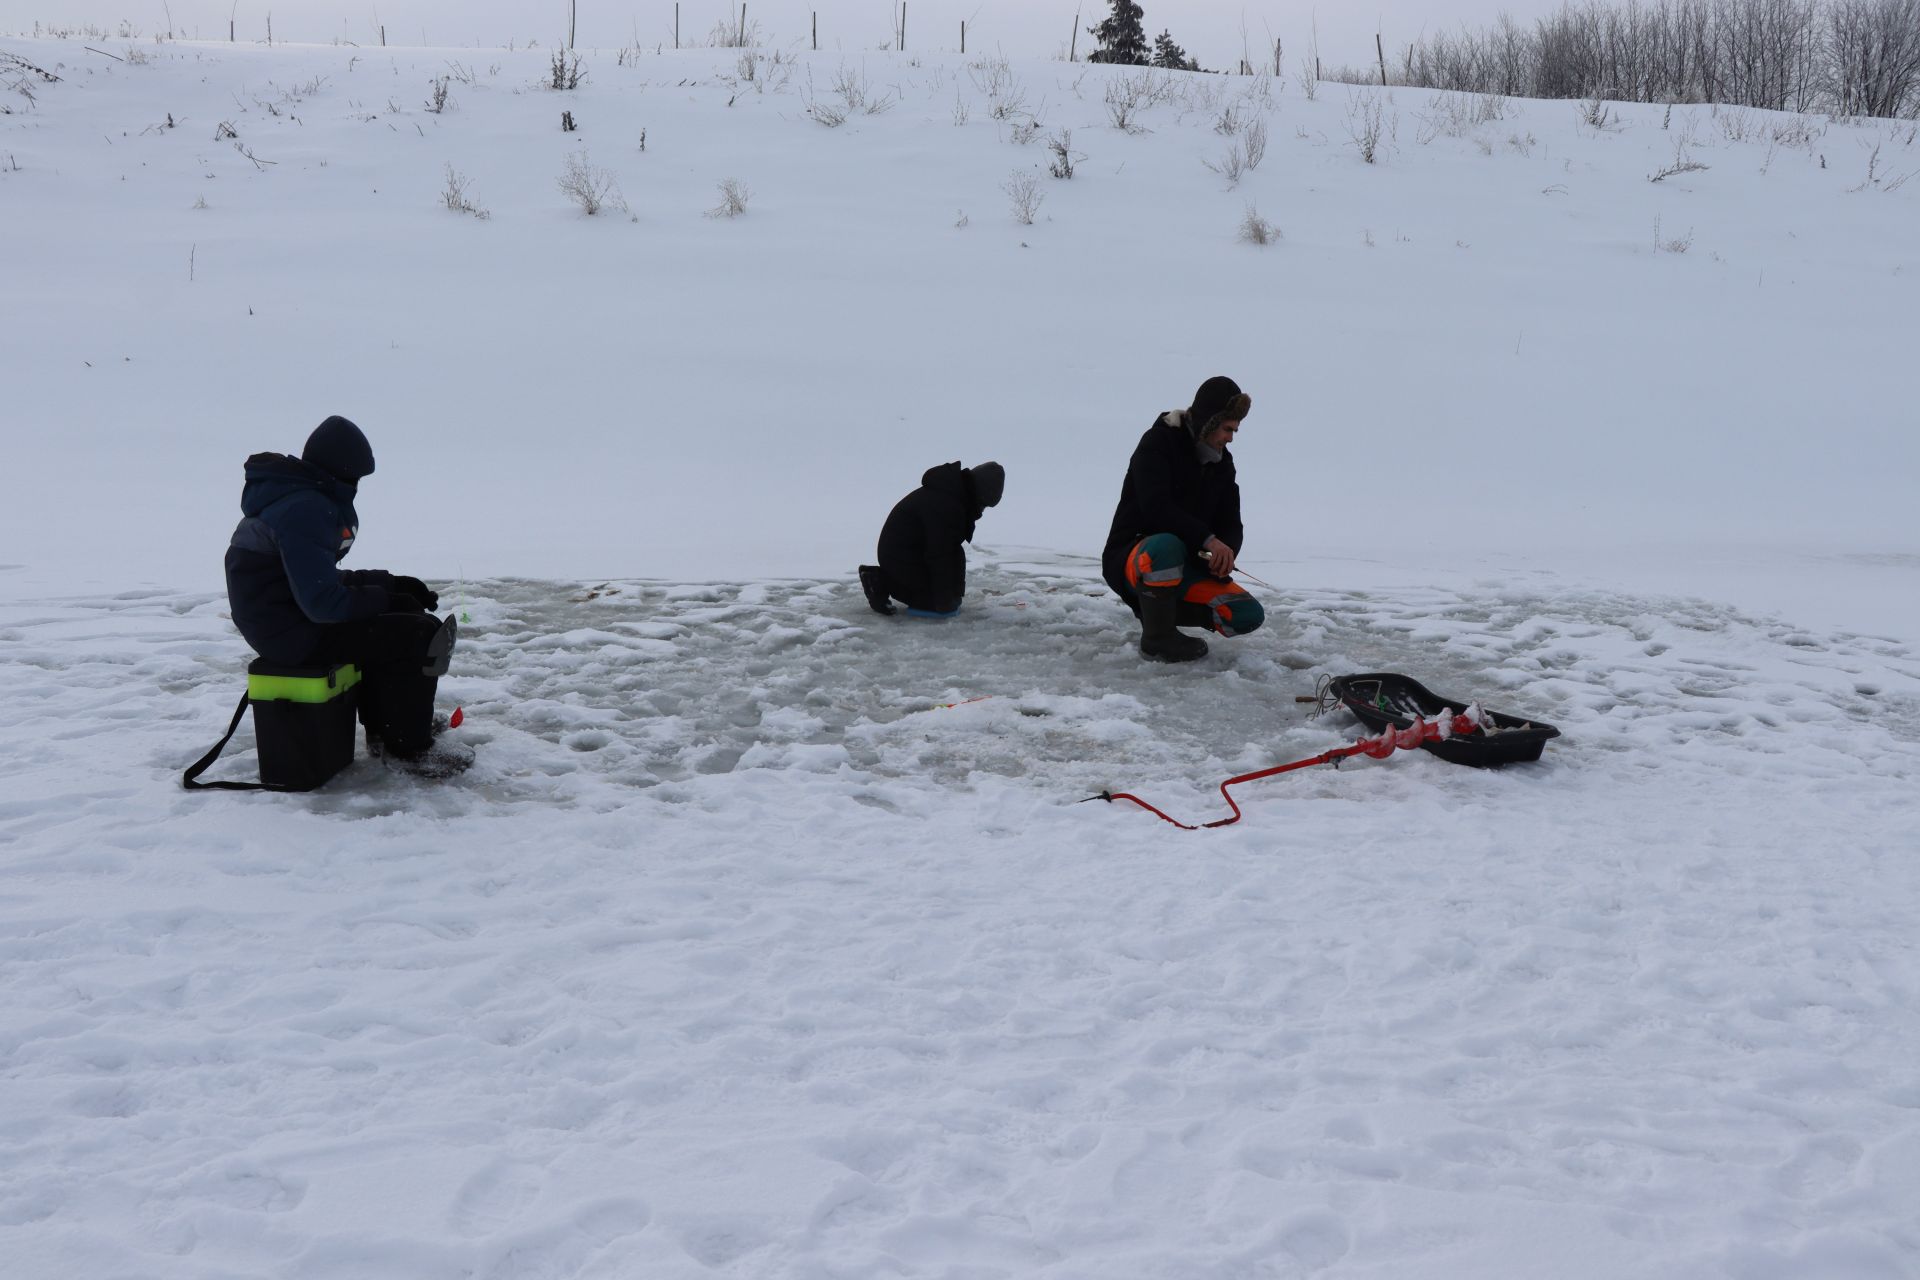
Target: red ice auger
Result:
[1438, 729]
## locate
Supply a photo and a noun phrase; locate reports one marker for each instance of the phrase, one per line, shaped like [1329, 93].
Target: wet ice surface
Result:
[736, 953]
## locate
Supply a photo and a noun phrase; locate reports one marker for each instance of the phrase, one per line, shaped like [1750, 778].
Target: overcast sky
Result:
[1210, 30]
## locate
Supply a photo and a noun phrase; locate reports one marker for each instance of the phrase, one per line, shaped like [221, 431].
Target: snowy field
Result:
[741, 953]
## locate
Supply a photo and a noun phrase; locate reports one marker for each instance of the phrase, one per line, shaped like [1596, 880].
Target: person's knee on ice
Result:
[1157, 563]
[294, 604]
[1221, 607]
[923, 563]
[1240, 615]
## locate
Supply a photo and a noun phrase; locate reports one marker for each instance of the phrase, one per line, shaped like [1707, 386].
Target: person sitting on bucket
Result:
[921, 562]
[296, 607]
[1176, 532]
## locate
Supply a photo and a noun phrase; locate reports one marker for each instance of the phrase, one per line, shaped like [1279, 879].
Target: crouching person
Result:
[922, 564]
[1176, 531]
[296, 607]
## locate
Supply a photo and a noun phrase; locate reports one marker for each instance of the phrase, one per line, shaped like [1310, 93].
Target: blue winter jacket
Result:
[283, 581]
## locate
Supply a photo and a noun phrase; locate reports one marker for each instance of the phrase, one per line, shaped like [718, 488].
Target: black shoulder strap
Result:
[198, 767]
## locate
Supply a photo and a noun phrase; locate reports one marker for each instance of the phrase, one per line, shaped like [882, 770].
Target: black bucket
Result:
[1383, 699]
[303, 722]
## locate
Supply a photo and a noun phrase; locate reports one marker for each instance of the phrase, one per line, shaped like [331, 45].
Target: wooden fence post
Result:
[1382, 51]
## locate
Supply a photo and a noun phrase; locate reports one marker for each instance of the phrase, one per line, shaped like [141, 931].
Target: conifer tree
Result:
[1170, 55]
[1122, 37]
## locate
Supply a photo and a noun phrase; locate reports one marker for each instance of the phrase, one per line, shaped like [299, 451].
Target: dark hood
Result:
[975, 488]
[340, 449]
[273, 476]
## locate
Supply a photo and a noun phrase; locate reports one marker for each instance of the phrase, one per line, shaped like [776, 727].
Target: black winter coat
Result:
[920, 542]
[283, 583]
[1169, 490]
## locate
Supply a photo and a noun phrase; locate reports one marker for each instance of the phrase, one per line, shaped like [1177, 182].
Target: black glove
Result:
[404, 602]
[427, 596]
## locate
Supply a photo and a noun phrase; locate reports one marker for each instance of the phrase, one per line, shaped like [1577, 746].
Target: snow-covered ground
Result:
[739, 952]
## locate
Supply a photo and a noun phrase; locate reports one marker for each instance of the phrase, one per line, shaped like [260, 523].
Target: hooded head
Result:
[1218, 400]
[338, 448]
[987, 481]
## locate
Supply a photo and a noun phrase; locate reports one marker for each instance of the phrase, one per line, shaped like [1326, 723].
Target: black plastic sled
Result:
[1382, 699]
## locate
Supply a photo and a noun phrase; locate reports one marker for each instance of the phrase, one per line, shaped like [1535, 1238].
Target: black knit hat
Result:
[989, 482]
[338, 448]
[1218, 400]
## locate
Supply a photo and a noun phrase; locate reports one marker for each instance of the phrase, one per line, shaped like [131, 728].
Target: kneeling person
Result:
[1176, 531]
[922, 564]
[296, 607]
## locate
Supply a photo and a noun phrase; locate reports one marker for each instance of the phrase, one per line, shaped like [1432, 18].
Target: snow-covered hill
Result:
[740, 951]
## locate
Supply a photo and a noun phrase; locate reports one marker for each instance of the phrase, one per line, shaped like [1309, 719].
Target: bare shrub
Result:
[17, 75]
[1024, 195]
[1230, 120]
[1457, 115]
[1244, 154]
[455, 196]
[1257, 230]
[1796, 131]
[1128, 96]
[960, 110]
[590, 187]
[1253, 142]
[1673, 244]
[1736, 124]
[461, 73]
[994, 78]
[1024, 131]
[566, 72]
[1682, 163]
[733, 200]
[1064, 156]
[438, 96]
[1597, 115]
[729, 33]
[567, 124]
[830, 114]
[1364, 127]
[1309, 79]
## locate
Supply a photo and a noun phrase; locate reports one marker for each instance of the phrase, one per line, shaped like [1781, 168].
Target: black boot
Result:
[1159, 639]
[874, 583]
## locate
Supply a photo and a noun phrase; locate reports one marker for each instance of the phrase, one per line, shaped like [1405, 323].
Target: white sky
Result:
[1209, 29]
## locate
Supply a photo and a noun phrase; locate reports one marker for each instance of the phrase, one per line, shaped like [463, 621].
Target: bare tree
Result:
[1848, 56]
[1873, 52]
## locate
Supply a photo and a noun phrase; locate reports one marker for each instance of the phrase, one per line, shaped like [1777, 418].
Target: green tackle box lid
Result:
[271, 682]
